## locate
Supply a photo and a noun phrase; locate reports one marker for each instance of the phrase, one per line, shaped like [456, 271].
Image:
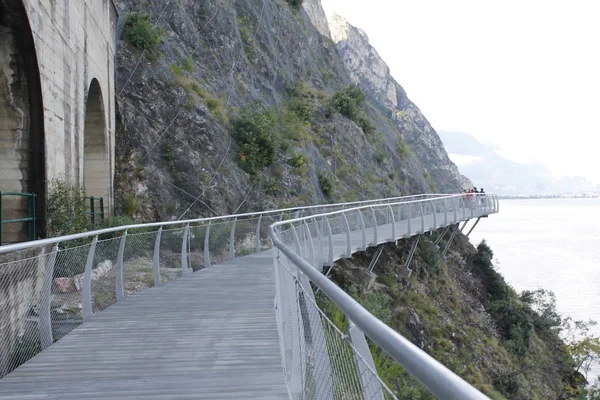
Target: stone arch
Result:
[22, 147]
[96, 164]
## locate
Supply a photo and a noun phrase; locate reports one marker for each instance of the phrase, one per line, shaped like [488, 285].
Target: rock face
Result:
[368, 69]
[176, 152]
[317, 16]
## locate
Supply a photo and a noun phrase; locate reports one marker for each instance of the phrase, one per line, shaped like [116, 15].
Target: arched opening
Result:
[96, 166]
[22, 154]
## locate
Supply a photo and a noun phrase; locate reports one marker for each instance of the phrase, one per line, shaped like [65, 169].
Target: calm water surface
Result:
[552, 244]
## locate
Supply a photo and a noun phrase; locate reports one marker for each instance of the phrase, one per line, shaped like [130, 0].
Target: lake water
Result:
[552, 244]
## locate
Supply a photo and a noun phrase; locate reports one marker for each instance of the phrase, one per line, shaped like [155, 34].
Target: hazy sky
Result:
[524, 75]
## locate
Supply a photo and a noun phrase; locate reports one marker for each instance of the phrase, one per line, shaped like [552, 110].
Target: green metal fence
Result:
[30, 214]
[93, 211]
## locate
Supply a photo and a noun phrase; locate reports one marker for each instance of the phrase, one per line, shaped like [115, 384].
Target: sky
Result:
[524, 75]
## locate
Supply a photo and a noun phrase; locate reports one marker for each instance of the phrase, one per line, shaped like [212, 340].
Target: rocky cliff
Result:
[368, 69]
[190, 77]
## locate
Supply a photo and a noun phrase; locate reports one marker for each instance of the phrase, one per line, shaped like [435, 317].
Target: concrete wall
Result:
[74, 42]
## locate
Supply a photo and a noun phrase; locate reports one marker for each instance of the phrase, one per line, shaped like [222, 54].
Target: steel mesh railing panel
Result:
[195, 246]
[319, 360]
[103, 277]
[67, 290]
[170, 254]
[138, 267]
[21, 286]
[219, 240]
[245, 237]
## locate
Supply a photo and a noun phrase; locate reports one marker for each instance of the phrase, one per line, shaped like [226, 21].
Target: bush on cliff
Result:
[253, 133]
[141, 33]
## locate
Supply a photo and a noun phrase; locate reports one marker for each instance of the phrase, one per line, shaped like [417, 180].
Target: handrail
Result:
[438, 379]
[60, 239]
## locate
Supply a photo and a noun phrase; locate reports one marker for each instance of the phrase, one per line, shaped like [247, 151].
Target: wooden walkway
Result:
[212, 335]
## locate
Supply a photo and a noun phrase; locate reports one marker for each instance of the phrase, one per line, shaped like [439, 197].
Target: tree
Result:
[543, 303]
[583, 347]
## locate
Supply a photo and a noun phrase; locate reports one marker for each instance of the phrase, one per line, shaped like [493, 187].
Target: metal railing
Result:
[304, 246]
[93, 211]
[30, 219]
[50, 286]
[54, 284]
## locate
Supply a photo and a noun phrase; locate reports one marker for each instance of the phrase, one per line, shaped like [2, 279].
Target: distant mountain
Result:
[486, 168]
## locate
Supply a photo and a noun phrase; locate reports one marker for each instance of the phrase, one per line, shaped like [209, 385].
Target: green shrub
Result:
[141, 34]
[365, 124]
[325, 185]
[348, 101]
[302, 101]
[176, 69]
[295, 4]
[293, 127]
[189, 64]
[273, 187]
[403, 149]
[428, 252]
[493, 282]
[66, 208]
[253, 133]
[514, 319]
[130, 205]
[379, 156]
[300, 163]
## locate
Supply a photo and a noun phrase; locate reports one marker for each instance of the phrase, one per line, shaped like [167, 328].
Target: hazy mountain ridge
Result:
[488, 169]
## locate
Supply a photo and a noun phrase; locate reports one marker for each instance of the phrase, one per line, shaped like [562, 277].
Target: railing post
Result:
[184, 250]
[156, 258]
[409, 219]
[87, 282]
[422, 218]
[434, 208]
[92, 216]
[348, 237]
[363, 245]
[119, 278]
[311, 248]
[330, 239]
[207, 246]
[321, 242]
[387, 217]
[257, 247]
[393, 221]
[297, 240]
[375, 241]
[445, 212]
[454, 206]
[232, 240]
[371, 387]
[102, 209]
[45, 319]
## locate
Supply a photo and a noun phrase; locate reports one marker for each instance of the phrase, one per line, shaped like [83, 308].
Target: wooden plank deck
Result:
[211, 335]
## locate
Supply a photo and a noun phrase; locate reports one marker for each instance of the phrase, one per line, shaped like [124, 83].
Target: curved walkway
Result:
[209, 335]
